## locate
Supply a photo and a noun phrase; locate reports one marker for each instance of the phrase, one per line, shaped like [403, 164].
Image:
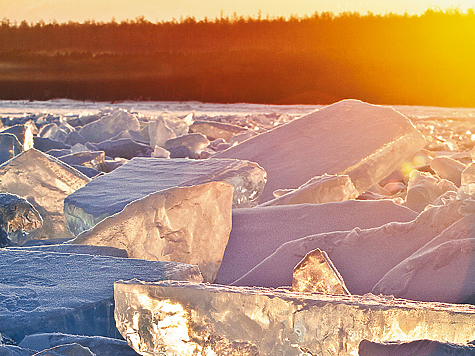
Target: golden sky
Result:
[159, 10]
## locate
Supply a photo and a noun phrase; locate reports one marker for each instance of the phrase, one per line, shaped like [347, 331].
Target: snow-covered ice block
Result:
[448, 168]
[44, 181]
[316, 273]
[366, 142]
[109, 126]
[110, 193]
[423, 189]
[9, 147]
[99, 345]
[180, 318]
[414, 348]
[214, 130]
[80, 249]
[362, 256]
[442, 270]
[69, 293]
[181, 224]
[259, 231]
[318, 190]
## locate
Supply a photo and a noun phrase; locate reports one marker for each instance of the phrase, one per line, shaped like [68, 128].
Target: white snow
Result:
[442, 270]
[362, 256]
[259, 231]
[71, 293]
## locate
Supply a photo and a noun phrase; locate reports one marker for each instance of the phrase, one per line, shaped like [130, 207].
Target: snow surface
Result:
[442, 270]
[48, 291]
[362, 256]
[259, 231]
[101, 346]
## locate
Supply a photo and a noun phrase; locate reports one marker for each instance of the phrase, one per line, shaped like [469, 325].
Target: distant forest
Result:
[387, 59]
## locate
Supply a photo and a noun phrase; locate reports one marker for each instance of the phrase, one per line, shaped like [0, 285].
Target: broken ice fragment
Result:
[448, 168]
[257, 232]
[9, 147]
[181, 224]
[70, 293]
[423, 189]
[44, 181]
[362, 256]
[468, 178]
[194, 142]
[180, 318]
[19, 220]
[110, 193]
[124, 147]
[90, 159]
[23, 133]
[316, 273]
[109, 126]
[366, 142]
[159, 132]
[214, 130]
[160, 152]
[318, 190]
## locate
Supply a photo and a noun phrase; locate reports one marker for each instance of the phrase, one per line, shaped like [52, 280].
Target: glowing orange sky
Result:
[158, 10]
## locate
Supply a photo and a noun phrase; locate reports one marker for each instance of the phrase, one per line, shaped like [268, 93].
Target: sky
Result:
[164, 10]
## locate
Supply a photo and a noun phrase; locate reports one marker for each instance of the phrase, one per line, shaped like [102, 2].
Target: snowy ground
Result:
[449, 132]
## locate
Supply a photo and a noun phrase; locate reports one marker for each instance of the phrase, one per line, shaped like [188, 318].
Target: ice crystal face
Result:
[214, 130]
[181, 224]
[44, 181]
[318, 190]
[414, 348]
[316, 273]
[19, 220]
[109, 194]
[366, 142]
[170, 318]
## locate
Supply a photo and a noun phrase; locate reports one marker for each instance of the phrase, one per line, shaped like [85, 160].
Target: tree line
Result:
[389, 59]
